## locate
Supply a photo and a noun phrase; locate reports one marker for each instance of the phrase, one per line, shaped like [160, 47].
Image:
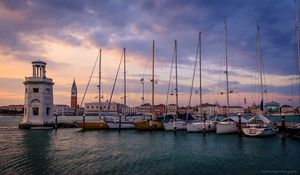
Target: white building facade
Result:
[63, 110]
[92, 108]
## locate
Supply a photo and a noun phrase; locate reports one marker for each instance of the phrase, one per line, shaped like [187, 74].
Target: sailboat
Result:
[99, 124]
[260, 125]
[228, 125]
[205, 125]
[175, 124]
[121, 124]
[152, 124]
[296, 126]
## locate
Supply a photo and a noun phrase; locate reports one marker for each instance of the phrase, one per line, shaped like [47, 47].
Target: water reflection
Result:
[240, 143]
[37, 145]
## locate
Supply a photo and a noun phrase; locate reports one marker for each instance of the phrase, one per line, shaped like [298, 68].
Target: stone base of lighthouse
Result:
[36, 126]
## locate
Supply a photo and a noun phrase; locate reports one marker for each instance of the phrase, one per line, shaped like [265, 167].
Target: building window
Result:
[48, 111]
[35, 90]
[87, 106]
[92, 107]
[26, 90]
[35, 111]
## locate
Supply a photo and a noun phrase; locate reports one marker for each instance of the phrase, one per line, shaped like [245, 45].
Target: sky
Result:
[67, 34]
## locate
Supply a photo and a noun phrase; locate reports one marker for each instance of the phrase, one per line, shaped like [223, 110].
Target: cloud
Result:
[29, 25]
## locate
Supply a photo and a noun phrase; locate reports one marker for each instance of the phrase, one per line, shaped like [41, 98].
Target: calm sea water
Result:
[71, 151]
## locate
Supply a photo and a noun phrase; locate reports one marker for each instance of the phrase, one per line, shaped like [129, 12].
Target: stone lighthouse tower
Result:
[38, 106]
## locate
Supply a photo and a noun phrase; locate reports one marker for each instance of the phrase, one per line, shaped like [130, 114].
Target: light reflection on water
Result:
[71, 151]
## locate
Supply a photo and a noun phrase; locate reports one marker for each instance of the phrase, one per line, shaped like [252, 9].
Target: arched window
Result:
[35, 101]
[35, 111]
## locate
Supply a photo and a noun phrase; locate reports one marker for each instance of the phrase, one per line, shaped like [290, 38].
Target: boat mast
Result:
[170, 76]
[99, 95]
[153, 110]
[297, 28]
[259, 56]
[114, 85]
[124, 50]
[226, 72]
[200, 75]
[143, 89]
[176, 81]
[195, 66]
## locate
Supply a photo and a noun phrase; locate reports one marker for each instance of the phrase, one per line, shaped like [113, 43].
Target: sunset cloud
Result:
[68, 35]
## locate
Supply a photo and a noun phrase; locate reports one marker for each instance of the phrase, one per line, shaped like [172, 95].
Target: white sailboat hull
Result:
[199, 126]
[122, 125]
[259, 131]
[170, 126]
[227, 128]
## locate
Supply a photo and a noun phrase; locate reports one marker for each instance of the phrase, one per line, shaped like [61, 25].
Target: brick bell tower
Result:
[74, 96]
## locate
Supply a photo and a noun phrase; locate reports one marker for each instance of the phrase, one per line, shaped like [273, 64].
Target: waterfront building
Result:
[272, 107]
[16, 108]
[236, 110]
[159, 109]
[12, 109]
[286, 109]
[253, 109]
[38, 106]
[171, 109]
[232, 110]
[64, 110]
[144, 109]
[74, 104]
[210, 109]
[129, 111]
[92, 108]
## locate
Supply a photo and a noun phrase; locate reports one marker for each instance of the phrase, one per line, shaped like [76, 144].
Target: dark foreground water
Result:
[71, 151]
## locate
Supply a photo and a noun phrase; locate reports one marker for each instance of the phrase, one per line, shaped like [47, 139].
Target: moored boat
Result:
[91, 124]
[149, 125]
[294, 128]
[259, 126]
[120, 125]
[229, 125]
[226, 126]
[199, 126]
[178, 125]
[153, 123]
[174, 124]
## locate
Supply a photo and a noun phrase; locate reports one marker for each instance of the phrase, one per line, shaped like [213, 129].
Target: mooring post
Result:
[119, 121]
[240, 124]
[83, 122]
[174, 125]
[283, 127]
[55, 122]
[204, 120]
[283, 123]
